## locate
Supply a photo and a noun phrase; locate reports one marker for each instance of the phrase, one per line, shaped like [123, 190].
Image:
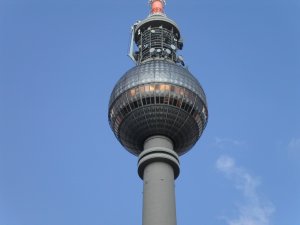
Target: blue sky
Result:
[60, 164]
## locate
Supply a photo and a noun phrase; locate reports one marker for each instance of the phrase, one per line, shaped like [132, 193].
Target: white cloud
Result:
[294, 148]
[227, 142]
[255, 210]
[295, 144]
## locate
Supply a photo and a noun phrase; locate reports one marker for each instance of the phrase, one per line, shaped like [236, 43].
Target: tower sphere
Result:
[158, 98]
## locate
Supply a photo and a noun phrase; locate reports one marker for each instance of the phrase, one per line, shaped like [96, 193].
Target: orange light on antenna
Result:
[157, 6]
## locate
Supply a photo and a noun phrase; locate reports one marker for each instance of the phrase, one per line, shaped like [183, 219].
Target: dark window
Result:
[183, 105]
[171, 101]
[157, 100]
[186, 107]
[175, 102]
[193, 112]
[166, 100]
[148, 100]
[178, 103]
[189, 108]
[152, 100]
[123, 111]
[132, 105]
[161, 100]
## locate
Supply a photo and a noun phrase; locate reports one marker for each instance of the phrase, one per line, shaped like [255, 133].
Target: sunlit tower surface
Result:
[157, 111]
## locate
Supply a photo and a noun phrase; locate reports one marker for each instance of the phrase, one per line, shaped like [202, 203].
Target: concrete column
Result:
[159, 167]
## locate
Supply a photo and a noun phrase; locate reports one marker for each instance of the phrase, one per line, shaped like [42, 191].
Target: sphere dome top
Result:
[160, 71]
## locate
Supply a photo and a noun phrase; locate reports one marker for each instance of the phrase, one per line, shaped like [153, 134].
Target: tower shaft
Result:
[159, 195]
[159, 166]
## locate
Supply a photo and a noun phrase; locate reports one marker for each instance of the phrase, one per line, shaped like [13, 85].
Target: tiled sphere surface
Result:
[158, 98]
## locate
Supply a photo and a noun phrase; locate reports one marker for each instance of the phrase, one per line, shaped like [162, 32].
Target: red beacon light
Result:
[157, 6]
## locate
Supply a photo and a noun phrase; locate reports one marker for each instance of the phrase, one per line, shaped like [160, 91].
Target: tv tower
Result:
[157, 111]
